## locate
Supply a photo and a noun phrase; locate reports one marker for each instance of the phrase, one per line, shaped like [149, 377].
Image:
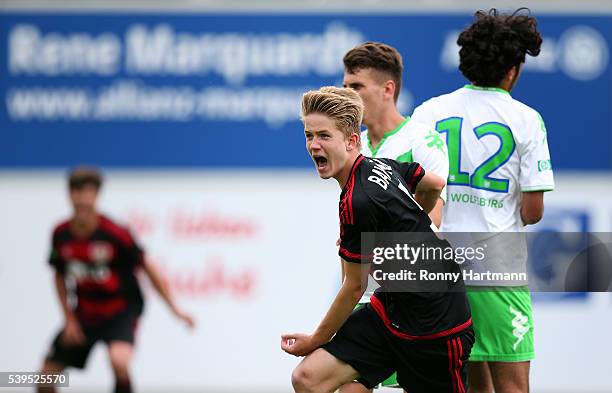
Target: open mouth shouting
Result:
[320, 161]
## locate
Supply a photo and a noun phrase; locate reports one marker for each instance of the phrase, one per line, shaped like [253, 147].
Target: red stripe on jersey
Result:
[111, 285]
[119, 232]
[450, 365]
[415, 176]
[99, 309]
[87, 250]
[350, 254]
[75, 249]
[63, 226]
[350, 203]
[345, 204]
[380, 311]
[456, 365]
[349, 187]
[460, 365]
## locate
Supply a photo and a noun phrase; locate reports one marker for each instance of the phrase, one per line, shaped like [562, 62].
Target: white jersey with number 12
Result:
[497, 149]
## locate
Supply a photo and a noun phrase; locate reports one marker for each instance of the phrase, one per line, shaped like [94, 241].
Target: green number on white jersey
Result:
[480, 178]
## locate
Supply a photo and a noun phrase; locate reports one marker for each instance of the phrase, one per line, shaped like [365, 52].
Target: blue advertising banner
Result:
[223, 90]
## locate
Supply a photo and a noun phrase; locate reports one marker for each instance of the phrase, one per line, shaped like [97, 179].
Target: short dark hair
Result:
[495, 43]
[377, 56]
[81, 176]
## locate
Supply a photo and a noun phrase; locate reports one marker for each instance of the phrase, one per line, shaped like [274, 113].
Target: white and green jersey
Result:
[497, 149]
[411, 141]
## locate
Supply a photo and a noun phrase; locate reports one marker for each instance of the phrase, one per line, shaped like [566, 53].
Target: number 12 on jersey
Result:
[480, 177]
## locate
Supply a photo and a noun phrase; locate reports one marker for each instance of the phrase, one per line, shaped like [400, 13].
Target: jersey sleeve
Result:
[432, 154]
[411, 172]
[130, 251]
[423, 114]
[350, 233]
[55, 258]
[535, 169]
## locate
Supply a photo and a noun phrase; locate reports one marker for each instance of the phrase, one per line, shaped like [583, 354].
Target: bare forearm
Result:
[436, 213]
[342, 306]
[428, 191]
[62, 295]
[427, 199]
[160, 285]
[532, 207]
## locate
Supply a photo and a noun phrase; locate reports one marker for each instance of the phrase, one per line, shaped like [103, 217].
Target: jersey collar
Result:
[482, 88]
[385, 136]
[360, 158]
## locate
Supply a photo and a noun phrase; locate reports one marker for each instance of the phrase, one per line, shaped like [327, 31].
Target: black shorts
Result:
[427, 366]
[119, 328]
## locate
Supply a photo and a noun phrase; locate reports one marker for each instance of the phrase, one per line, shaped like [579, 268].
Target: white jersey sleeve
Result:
[424, 114]
[432, 154]
[535, 170]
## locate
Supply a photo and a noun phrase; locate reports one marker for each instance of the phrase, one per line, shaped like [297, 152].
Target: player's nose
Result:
[314, 144]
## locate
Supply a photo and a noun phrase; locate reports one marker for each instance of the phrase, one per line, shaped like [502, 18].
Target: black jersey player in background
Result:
[426, 337]
[96, 260]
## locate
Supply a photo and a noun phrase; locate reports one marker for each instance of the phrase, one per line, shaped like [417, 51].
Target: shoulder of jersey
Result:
[415, 127]
[442, 97]
[370, 189]
[526, 111]
[61, 227]
[118, 231]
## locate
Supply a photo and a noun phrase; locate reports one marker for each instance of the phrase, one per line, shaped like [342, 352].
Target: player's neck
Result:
[83, 225]
[383, 124]
[505, 85]
[345, 173]
[510, 79]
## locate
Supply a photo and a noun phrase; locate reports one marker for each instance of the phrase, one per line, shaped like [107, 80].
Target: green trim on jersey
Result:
[481, 88]
[538, 188]
[385, 136]
[406, 157]
[542, 127]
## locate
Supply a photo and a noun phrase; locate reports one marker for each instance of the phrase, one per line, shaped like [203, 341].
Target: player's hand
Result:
[185, 317]
[299, 344]
[73, 333]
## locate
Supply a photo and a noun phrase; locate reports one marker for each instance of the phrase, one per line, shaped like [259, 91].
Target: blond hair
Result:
[343, 105]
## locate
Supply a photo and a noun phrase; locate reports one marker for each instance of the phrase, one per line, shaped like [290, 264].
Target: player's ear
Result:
[390, 89]
[512, 73]
[353, 142]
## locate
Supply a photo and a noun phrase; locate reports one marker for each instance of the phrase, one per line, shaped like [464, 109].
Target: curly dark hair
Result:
[495, 43]
[378, 56]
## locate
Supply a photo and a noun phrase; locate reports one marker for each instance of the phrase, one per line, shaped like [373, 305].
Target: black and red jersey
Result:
[101, 268]
[376, 199]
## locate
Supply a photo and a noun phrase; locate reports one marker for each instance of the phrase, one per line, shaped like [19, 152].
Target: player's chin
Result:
[324, 173]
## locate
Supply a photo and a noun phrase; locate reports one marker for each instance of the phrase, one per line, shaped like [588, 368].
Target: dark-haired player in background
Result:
[96, 260]
[426, 336]
[499, 170]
